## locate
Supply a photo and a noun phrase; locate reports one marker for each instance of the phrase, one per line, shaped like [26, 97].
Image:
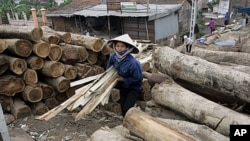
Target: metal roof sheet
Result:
[155, 11]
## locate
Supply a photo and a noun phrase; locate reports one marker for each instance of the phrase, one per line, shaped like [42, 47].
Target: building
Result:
[155, 22]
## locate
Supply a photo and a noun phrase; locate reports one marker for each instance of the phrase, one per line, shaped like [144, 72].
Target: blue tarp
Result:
[244, 10]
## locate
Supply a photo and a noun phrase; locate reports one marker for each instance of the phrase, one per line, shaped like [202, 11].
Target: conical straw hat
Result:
[126, 39]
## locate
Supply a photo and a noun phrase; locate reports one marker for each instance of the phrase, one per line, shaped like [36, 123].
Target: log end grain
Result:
[55, 52]
[41, 49]
[37, 34]
[23, 48]
[35, 63]
[32, 93]
[18, 66]
[11, 85]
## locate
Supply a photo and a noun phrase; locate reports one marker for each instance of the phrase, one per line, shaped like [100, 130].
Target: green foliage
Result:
[201, 23]
[211, 4]
[65, 3]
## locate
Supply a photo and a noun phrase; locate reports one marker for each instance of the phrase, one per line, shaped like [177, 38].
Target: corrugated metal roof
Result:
[155, 11]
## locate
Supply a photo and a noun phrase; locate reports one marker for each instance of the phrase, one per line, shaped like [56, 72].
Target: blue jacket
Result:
[130, 69]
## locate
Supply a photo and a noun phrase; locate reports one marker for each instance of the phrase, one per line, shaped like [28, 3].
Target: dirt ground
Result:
[62, 127]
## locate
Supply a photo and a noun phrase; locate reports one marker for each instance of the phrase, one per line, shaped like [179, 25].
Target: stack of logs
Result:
[37, 65]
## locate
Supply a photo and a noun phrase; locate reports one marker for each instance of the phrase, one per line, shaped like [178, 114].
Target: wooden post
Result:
[3, 128]
[33, 11]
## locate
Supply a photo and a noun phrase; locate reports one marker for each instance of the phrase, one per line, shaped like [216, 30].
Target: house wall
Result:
[65, 24]
[166, 26]
[139, 28]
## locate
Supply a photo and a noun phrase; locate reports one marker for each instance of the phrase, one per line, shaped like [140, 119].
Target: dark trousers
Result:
[128, 98]
[188, 48]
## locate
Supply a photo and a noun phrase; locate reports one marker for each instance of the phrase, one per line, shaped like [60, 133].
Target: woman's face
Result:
[120, 46]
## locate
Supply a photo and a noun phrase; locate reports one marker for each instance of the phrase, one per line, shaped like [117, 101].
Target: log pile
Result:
[37, 65]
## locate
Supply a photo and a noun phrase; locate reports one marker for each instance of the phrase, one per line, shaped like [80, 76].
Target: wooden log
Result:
[16, 65]
[48, 90]
[60, 84]
[41, 49]
[70, 55]
[101, 60]
[83, 53]
[19, 47]
[218, 48]
[11, 85]
[150, 128]
[98, 69]
[146, 90]
[115, 95]
[50, 38]
[55, 53]
[61, 97]
[113, 107]
[240, 58]
[91, 43]
[51, 102]
[20, 109]
[106, 50]
[35, 62]
[203, 73]
[53, 69]
[32, 93]
[196, 107]
[154, 78]
[92, 58]
[38, 108]
[70, 72]
[4, 64]
[6, 102]
[64, 36]
[30, 76]
[197, 131]
[21, 32]
[3, 45]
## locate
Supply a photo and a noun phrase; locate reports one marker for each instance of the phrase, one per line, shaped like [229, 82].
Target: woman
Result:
[129, 70]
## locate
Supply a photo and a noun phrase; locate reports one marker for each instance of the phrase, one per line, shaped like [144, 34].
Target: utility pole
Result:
[193, 19]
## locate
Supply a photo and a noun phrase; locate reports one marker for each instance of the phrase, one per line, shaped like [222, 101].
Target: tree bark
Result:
[41, 49]
[60, 84]
[20, 109]
[55, 53]
[197, 131]
[38, 108]
[3, 45]
[93, 57]
[53, 69]
[19, 47]
[35, 62]
[203, 73]
[197, 108]
[64, 36]
[51, 38]
[83, 53]
[150, 128]
[6, 102]
[21, 32]
[11, 85]
[51, 102]
[217, 57]
[32, 93]
[91, 43]
[70, 55]
[4, 64]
